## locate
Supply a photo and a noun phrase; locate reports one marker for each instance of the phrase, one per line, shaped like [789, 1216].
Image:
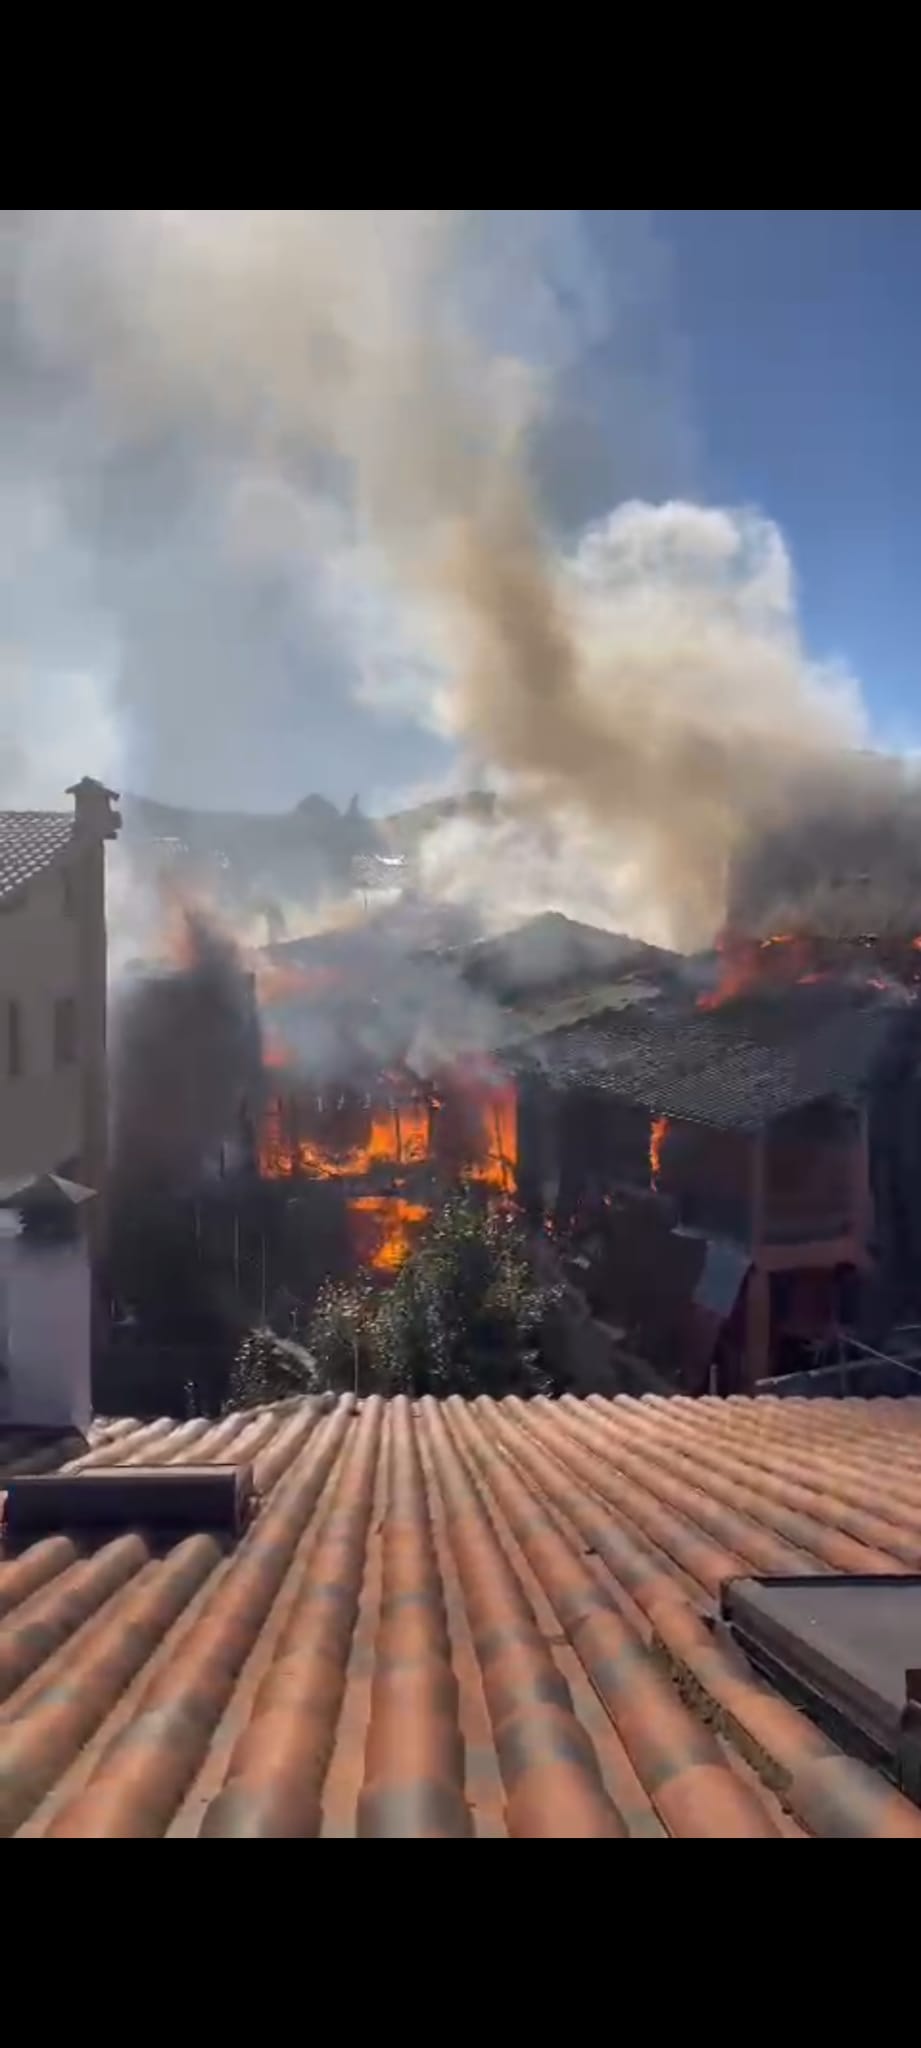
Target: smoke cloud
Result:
[371, 413]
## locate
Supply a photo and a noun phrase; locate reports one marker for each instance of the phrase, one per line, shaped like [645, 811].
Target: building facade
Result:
[53, 1106]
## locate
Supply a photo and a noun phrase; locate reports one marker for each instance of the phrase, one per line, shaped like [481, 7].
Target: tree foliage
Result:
[262, 1372]
[463, 1316]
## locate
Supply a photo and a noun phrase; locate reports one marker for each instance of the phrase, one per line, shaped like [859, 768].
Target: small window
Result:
[13, 1040]
[68, 893]
[65, 1032]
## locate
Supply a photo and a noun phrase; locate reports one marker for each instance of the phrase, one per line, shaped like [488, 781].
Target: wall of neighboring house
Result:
[44, 1331]
[52, 1024]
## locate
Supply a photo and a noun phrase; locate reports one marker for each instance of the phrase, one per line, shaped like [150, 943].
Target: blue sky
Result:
[802, 361]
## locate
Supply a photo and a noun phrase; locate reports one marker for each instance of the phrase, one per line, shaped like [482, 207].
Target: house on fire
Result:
[749, 1162]
[53, 1117]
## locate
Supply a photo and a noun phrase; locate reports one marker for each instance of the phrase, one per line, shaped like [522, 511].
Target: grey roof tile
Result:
[30, 842]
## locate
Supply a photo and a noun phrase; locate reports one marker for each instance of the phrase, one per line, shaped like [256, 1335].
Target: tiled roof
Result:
[735, 1067]
[487, 1618]
[29, 842]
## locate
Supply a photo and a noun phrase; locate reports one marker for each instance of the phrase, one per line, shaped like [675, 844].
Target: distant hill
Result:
[404, 830]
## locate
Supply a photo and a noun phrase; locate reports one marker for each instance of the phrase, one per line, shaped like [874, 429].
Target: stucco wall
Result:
[41, 1109]
[44, 1334]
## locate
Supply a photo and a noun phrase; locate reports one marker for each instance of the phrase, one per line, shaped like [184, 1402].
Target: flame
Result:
[658, 1132]
[280, 982]
[494, 1166]
[477, 1107]
[399, 1136]
[746, 964]
[275, 1053]
[788, 959]
[483, 1105]
[386, 1226]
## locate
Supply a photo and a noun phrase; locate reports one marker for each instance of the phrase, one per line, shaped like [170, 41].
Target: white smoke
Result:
[369, 397]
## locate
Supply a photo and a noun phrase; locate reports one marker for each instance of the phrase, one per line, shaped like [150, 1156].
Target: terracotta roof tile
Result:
[448, 1620]
[30, 841]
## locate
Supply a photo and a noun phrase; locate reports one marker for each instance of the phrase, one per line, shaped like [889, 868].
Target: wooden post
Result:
[861, 1220]
[757, 1195]
[757, 1327]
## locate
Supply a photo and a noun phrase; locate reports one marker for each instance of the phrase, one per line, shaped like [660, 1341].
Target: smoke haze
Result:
[296, 461]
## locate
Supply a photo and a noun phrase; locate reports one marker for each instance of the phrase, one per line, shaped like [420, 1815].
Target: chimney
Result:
[94, 817]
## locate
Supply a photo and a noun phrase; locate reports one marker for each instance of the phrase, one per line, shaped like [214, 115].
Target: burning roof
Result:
[737, 1067]
[407, 985]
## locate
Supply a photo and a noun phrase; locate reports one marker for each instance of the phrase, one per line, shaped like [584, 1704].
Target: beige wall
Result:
[42, 1114]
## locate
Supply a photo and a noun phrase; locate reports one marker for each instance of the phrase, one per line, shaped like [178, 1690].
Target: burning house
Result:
[724, 1151]
[738, 1175]
[387, 1068]
[297, 1114]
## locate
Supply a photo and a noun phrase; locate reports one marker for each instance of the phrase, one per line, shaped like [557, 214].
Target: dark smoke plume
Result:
[186, 1067]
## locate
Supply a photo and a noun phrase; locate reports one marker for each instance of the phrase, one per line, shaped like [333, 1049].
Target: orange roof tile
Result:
[486, 1619]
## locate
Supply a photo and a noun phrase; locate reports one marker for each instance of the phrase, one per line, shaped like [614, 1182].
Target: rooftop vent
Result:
[848, 1651]
[167, 1504]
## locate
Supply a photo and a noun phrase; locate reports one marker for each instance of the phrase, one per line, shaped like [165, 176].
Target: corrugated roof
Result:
[29, 842]
[736, 1067]
[479, 1619]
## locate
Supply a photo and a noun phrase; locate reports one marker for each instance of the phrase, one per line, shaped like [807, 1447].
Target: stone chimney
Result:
[94, 817]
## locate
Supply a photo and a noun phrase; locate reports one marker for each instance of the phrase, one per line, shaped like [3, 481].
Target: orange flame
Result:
[398, 1137]
[658, 1132]
[386, 1227]
[479, 1143]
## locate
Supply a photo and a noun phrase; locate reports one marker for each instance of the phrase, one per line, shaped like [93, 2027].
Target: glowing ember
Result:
[386, 1225]
[658, 1132]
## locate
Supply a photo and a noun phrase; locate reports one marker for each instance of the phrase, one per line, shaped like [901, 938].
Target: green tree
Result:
[464, 1315]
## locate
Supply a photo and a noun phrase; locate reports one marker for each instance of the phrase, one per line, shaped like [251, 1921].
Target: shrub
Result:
[464, 1315]
[262, 1372]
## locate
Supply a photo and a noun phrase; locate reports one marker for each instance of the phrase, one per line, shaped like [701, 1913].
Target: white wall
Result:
[45, 1293]
[41, 1110]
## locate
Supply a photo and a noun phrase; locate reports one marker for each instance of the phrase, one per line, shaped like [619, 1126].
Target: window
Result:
[13, 1040]
[68, 894]
[65, 1032]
